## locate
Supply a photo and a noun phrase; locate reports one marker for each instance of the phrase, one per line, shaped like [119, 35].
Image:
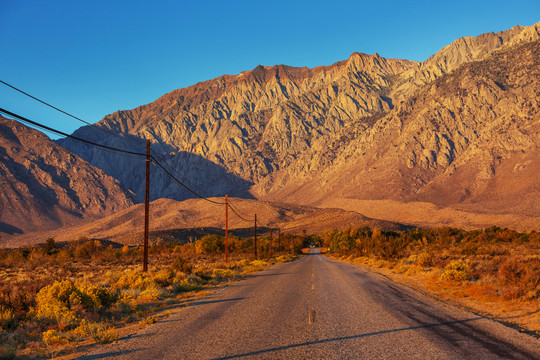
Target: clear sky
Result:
[91, 58]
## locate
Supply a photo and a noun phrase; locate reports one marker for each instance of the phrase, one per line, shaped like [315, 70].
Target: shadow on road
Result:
[352, 337]
[107, 355]
[276, 274]
[205, 302]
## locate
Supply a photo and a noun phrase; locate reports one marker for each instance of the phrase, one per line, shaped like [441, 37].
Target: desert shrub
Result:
[391, 248]
[125, 303]
[192, 282]
[164, 277]
[414, 270]
[283, 258]
[60, 302]
[456, 270]
[101, 333]
[7, 319]
[521, 277]
[54, 337]
[242, 263]
[105, 335]
[96, 297]
[151, 293]
[259, 263]
[424, 259]
[511, 271]
[84, 249]
[50, 246]
[8, 349]
[182, 265]
[185, 286]
[470, 248]
[210, 244]
[55, 302]
[222, 273]
[132, 280]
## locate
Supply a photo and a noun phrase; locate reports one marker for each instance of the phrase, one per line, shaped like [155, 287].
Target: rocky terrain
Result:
[449, 141]
[468, 139]
[248, 128]
[44, 186]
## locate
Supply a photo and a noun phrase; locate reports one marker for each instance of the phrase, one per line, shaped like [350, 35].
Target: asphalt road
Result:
[316, 308]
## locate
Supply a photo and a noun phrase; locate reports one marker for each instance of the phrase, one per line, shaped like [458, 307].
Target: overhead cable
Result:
[68, 114]
[237, 214]
[9, 113]
[175, 171]
[181, 183]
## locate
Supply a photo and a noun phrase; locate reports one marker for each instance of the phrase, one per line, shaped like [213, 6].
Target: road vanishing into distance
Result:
[316, 308]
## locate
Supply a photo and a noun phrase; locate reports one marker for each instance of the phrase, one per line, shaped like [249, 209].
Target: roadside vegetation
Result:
[59, 299]
[495, 272]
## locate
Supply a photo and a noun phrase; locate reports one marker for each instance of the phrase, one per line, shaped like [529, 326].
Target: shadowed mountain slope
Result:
[45, 186]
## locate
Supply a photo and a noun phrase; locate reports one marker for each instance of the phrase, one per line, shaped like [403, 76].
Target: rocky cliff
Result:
[470, 138]
[459, 129]
[235, 131]
[44, 186]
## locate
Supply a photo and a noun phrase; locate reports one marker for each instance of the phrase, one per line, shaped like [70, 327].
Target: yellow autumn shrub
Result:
[55, 303]
[456, 270]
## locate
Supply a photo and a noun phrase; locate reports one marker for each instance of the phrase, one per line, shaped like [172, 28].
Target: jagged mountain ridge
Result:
[250, 124]
[462, 51]
[304, 135]
[469, 138]
[45, 186]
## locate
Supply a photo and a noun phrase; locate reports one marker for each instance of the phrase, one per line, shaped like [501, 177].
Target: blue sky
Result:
[91, 58]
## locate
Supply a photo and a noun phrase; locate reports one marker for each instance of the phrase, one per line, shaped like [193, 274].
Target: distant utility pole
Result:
[255, 237]
[278, 239]
[146, 206]
[271, 238]
[226, 229]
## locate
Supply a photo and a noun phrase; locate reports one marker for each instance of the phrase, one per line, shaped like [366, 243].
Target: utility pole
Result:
[146, 206]
[271, 239]
[278, 239]
[226, 229]
[255, 237]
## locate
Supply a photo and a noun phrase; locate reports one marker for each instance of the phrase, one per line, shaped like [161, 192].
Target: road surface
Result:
[316, 308]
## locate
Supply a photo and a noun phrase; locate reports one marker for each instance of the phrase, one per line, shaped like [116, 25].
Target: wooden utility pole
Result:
[278, 239]
[146, 206]
[255, 237]
[271, 239]
[226, 230]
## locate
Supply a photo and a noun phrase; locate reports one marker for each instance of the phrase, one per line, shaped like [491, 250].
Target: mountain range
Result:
[452, 140]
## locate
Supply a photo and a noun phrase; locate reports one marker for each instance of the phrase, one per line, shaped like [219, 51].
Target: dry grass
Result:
[56, 301]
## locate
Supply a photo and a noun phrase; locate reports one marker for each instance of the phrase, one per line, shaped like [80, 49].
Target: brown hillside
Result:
[126, 226]
[45, 186]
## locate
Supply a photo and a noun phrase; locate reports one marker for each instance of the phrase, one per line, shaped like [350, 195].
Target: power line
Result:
[105, 147]
[9, 113]
[243, 213]
[181, 183]
[237, 214]
[68, 114]
[176, 171]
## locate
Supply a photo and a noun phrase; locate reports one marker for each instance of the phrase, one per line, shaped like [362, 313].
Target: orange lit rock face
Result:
[460, 129]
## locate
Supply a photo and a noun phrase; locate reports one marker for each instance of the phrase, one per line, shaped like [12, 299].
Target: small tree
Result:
[50, 246]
